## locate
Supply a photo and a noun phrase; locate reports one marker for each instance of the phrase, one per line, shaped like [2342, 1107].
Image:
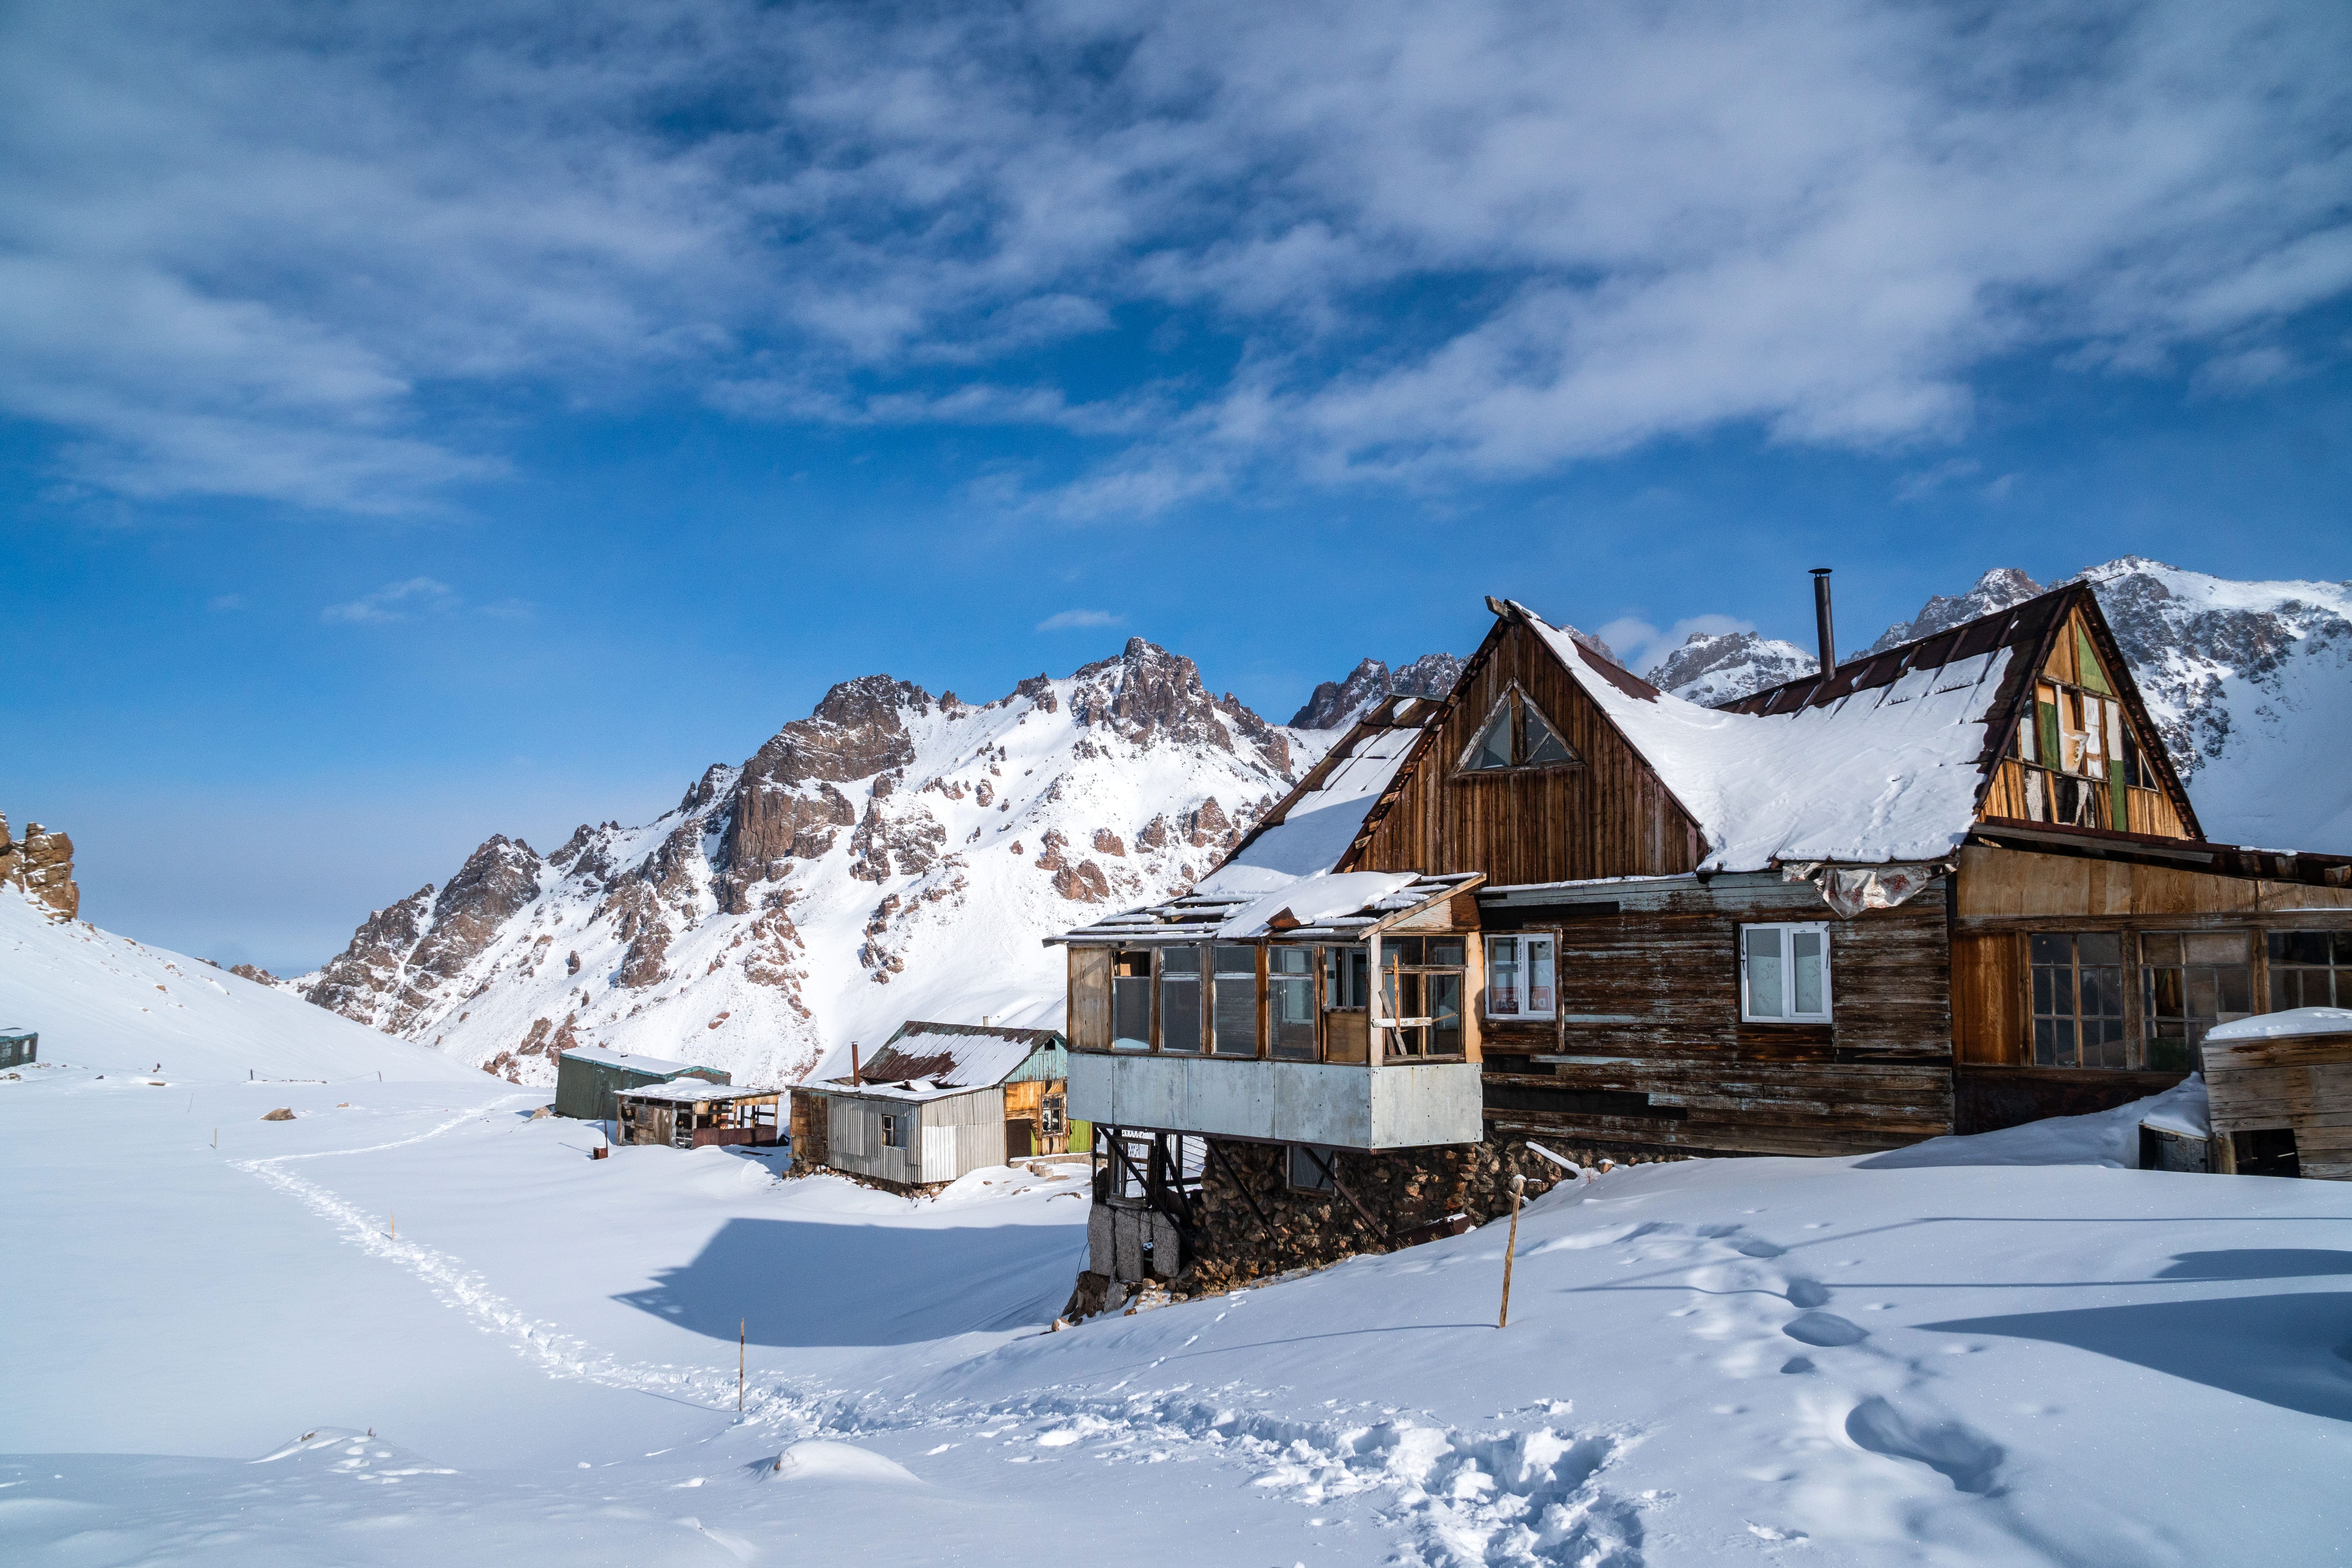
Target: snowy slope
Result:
[114, 1005]
[893, 855]
[419, 1328]
[1711, 668]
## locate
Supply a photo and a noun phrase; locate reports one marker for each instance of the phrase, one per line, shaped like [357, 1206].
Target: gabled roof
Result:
[925, 1060]
[2030, 631]
[1310, 830]
[604, 1057]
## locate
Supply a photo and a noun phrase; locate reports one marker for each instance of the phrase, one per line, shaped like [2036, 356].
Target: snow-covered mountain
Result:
[1727, 666]
[1337, 704]
[894, 854]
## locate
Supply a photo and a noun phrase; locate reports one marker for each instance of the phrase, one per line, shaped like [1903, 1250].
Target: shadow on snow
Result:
[803, 1285]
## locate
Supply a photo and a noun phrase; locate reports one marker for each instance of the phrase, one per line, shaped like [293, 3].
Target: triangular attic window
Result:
[1516, 735]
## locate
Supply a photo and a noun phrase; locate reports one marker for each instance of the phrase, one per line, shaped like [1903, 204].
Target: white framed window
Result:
[896, 1127]
[1784, 973]
[1520, 978]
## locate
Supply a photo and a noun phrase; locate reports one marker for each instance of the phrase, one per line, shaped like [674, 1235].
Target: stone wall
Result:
[40, 866]
[1407, 1196]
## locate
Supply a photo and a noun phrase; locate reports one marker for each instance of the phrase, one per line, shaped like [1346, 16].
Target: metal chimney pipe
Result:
[1822, 618]
[857, 1073]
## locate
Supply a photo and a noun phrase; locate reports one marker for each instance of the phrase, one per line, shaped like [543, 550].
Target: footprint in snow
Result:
[1757, 1246]
[1807, 1293]
[1962, 1455]
[1824, 1329]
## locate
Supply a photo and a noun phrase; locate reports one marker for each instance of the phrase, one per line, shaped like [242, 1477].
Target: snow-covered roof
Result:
[2291, 1023]
[693, 1088]
[603, 1057]
[1888, 772]
[1341, 908]
[1308, 833]
[925, 1060]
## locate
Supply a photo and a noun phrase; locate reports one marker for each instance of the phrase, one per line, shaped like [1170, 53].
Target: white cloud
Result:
[1063, 620]
[244, 250]
[394, 602]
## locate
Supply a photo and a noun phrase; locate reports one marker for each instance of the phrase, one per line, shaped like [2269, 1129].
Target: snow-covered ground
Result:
[412, 1324]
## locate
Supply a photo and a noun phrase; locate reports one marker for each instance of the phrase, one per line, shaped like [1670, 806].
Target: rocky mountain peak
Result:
[1996, 590]
[1724, 666]
[1337, 702]
[1146, 695]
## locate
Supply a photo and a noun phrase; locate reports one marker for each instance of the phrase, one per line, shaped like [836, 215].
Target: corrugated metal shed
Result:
[18, 1045]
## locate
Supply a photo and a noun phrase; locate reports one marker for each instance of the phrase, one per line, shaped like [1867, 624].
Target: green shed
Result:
[587, 1077]
[18, 1046]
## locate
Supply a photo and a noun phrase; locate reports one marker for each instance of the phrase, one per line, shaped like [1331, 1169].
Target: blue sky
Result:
[417, 428]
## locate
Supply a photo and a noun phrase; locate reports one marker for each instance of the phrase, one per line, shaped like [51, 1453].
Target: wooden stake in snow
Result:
[1507, 1290]
[1511, 1251]
[742, 1338]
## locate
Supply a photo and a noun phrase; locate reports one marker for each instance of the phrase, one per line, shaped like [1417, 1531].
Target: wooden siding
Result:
[1651, 1050]
[1089, 999]
[2304, 1083]
[1989, 998]
[1999, 888]
[1605, 815]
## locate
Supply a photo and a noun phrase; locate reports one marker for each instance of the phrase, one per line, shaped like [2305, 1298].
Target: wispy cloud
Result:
[238, 245]
[222, 603]
[394, 602]
[1063, 620]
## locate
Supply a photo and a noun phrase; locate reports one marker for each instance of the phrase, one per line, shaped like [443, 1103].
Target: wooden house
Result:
[1949, 885]
[690, 1113]
[588, 1076]
[18, 1046]
[935, 1102]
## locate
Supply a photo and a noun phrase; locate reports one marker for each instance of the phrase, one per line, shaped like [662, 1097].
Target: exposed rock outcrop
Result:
[1724, 667]
[40, 866]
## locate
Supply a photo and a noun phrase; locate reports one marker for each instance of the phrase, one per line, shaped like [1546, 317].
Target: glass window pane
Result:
[1805, 951]
[1237, 960]
[1539, 977]
[1445, 950]
[1406, 950]
[2098, 947]
[2286, 989]
[1290, 961]
[1236, 1033]
[1443, 994]
[1493, 747]
[2052, 947]
[1130, 1013]
[1503, 998]
[2045, 1043]
[1543, 745]
[2342, 948]
[1291, 1004]
[1180, 1000]
[1764, 988]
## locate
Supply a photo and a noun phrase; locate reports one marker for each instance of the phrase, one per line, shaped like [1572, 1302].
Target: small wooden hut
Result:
[18, 1046]
[2279, 1087]
[688, 1113]
[935, 1102]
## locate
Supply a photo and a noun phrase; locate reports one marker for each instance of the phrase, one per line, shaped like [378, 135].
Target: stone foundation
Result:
[1251, 1224]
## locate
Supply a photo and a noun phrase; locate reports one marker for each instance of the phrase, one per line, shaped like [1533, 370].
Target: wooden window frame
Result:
[1516, 698]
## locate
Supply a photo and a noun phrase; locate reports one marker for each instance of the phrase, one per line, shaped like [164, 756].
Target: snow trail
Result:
[556, 1352]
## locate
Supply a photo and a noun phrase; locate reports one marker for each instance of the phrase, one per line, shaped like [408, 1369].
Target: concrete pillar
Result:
[1166, 1248]
[1101, 1257]
[1127, 1234]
